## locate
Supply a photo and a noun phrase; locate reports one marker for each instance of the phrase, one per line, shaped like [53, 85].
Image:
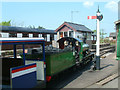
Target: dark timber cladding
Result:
[26, 32]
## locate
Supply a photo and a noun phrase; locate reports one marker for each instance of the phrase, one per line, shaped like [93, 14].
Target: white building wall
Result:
[58, 35]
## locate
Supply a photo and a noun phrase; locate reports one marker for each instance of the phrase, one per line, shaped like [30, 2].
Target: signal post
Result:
[99, 17]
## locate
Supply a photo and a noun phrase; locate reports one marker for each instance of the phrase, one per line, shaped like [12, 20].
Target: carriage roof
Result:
[6, 41]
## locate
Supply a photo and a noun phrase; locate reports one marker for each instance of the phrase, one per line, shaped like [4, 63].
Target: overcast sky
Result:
[52, 14]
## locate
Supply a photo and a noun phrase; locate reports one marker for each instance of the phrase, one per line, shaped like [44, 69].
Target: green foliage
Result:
[95, 31]
[33, 27]
[6, 23]
[112, 42]
[102, 33]
[39, 27]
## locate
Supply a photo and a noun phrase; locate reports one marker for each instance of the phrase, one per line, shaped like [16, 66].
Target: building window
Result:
[65, 34]
[35, 35]
[25, 35]
[12, 34]
[44, 36]
[84, 34]
[78, 37]
[70, 33]
[88, 36]
[51, 37]
[114, 37]
[61, 34]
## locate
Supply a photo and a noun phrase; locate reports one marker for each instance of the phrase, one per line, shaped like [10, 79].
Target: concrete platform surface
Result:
[109, 66]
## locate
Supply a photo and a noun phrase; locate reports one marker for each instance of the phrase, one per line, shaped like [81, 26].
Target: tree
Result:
[33, 27]
[6, 23]
[95, 31]
[39, 27]
[102, 34]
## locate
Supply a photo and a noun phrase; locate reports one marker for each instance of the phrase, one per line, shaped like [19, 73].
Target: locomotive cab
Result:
[76, 47]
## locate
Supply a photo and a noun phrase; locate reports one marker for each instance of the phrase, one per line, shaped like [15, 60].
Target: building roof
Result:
[75, 27]
[23, 29]
[79, 27]
[112, 34]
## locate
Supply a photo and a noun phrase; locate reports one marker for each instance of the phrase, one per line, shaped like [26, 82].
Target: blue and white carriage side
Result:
[22, 73]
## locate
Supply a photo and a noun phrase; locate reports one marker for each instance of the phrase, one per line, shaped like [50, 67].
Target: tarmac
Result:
[106, 77]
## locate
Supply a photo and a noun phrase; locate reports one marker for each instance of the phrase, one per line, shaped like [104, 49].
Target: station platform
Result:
[109, 67]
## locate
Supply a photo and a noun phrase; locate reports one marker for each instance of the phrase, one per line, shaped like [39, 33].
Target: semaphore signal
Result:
[92, 17]
[98, 17]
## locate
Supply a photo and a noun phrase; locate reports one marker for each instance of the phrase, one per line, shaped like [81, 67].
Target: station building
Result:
[68, 29]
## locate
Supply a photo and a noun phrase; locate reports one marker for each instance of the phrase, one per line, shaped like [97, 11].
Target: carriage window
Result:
[13, 35]
[25, 35]
[34, 52]
[35, 35]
